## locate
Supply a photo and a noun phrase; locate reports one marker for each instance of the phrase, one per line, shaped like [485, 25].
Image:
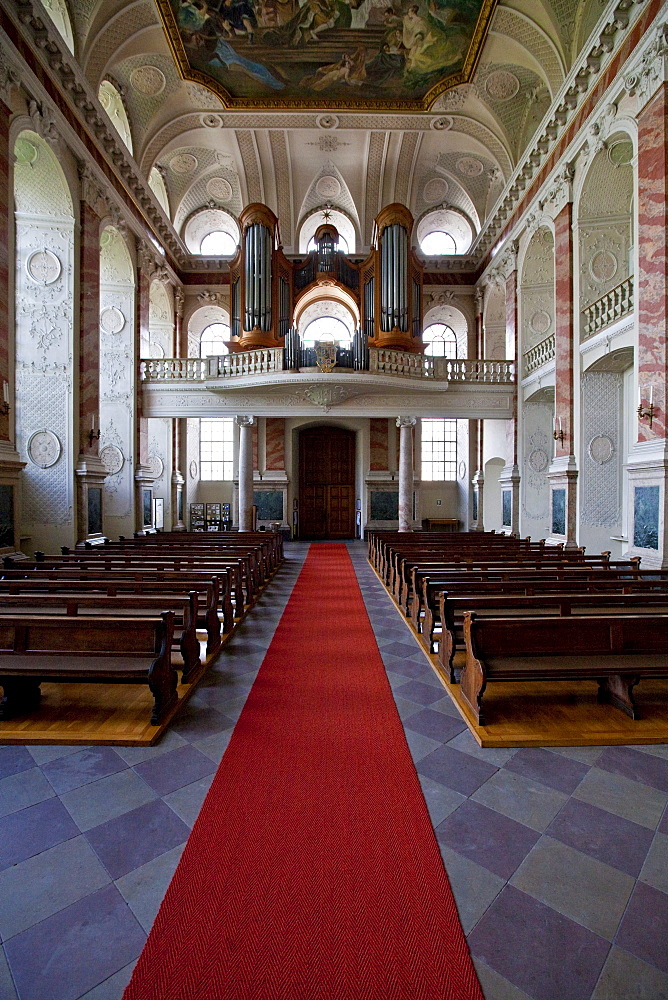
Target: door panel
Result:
[326, 483]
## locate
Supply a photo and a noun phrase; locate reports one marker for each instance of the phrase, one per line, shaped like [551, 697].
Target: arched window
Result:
[444, 231]
[342, 245]
[159, 188]
[59, 14]
[440, 341]
[326, 328]
[344, 227]
[212, 340]
[112, 103]
[211, 232]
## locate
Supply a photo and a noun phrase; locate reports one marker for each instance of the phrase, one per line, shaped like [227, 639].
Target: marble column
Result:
[648, 460]
[143, 473]
[406, 425]
[510, 475]
[563, 473]
[245, 424]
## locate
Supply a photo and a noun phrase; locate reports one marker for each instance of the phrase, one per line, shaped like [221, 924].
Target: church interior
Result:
[333, 276]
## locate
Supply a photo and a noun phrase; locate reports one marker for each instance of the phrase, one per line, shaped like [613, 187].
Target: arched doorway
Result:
[326, 483]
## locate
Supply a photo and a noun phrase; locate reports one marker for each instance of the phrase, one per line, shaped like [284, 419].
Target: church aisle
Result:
[557, 857]
[553, 855]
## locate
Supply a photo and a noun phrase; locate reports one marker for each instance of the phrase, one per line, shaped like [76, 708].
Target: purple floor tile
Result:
[663, 825]
[485, 836]
[644, 928]
[401, 649]
[550, 769]
[14, 759]
[175, 769]
[194, 722]
[72, 951]
[458, 771]
[414, 668]
[79, 768]
[602, 835]
[422, 694]
[436, 725]
[636, 765]
[125, 843]
[33, 830]
[540, 951]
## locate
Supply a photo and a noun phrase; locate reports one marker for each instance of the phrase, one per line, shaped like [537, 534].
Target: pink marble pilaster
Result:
[378, 444]
[143, 306]
[5, 115]
[89, 328]
[255, 447]
[511, 337]
[652, 278]
[406, 425]
[563, 328]
[275, 444]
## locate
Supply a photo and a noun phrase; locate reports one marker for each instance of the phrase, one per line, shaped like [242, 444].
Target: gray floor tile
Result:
[474, 887]
[43, 754]
[419, 745]
[622, 796]
[655, 869]
[657, 750]
[494, 986]
[23, 789]
[586, 755]
[441, 801]
[466, 743]
[145, 887]
[406, 707]
[214, 746]
[187, 801]
[134, 755]
[7, 988]
[625, 977]
[527, 801]
[107, 798]
[40, 886]
[447, 706]
[112, 988]
[576, 885]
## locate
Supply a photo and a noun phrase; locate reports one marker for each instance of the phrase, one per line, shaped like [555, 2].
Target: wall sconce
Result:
[558, 433]
[646, 412]
[93, 433]
[4, 405]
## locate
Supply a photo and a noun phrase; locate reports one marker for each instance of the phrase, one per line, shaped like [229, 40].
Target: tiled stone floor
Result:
[558, 858]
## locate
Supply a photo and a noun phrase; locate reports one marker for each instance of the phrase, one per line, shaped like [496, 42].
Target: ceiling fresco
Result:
[327, 54]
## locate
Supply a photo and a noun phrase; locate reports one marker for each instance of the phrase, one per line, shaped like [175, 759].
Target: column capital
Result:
[90, 190]
[244, 420]
[406, 421]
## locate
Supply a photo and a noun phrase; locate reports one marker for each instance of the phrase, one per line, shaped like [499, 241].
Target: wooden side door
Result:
[326, 483]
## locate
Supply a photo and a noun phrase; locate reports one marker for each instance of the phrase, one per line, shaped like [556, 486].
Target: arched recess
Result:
[44, 343]
[199, 321]
[117, 378]
[343, 223]
[537, 291]
[537, 452]
[157, 185]
[494, 323]
[326, 300]
[112, 102]
[605, 222]
[60, 15]
[204, 223]
[445, 312]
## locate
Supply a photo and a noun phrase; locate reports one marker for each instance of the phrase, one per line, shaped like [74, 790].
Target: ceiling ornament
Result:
[327, 121]
[442, 124]
[183, 163]
[148, 80]
[219, 188]
[502, 85]
[469, 166]
[328, 186]
[327, 396]
[435, 190]
[325, 55]
[211, 121]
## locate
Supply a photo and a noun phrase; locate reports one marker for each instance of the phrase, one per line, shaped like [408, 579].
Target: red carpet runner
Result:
[312, 872]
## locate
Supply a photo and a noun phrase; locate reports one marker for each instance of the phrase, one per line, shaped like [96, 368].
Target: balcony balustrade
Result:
[615, 304]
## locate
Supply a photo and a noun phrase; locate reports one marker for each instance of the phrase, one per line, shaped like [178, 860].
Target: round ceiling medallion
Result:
[328, 187]
[112, 320]
[156, 466]
[44, 449]
[112, 459]
[469, 166]
[43, 267]
[219, 188]
[603, 265]
[540, 322]
[183, 163]
[502, 85]
[435, 190]
[148, 80]
[601, 449]
[327, 121]
[442, 124]
[538, 460]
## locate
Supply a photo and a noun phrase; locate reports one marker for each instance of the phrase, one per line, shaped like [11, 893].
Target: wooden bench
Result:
[616, 652]
[36, 649]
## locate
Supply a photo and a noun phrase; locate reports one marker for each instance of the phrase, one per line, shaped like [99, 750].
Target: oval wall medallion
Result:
[603, 265]
[193, 469]
[43, 267]
[112, 320]
[538, 460]
[540, 322]
[462, 469]
[601, 449]
[44, 449]
[112, 459]
[156, 466]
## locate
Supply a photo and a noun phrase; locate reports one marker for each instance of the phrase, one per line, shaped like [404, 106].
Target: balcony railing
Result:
[270, 361]
[615, 304]
[539, 355]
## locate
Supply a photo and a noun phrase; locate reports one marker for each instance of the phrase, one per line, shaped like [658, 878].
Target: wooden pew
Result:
[614, 651]
[36, 649]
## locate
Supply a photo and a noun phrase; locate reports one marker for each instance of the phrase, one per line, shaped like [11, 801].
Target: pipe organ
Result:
[266, 286]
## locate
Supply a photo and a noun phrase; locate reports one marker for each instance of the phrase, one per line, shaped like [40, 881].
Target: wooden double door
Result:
[326, 483]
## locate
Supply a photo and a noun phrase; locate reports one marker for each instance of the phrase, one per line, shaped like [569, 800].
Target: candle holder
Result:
[93, 435]
[558, 435]
[646, 412]
[4, 408]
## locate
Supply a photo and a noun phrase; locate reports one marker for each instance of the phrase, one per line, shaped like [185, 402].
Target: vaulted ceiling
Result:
[461, 153]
